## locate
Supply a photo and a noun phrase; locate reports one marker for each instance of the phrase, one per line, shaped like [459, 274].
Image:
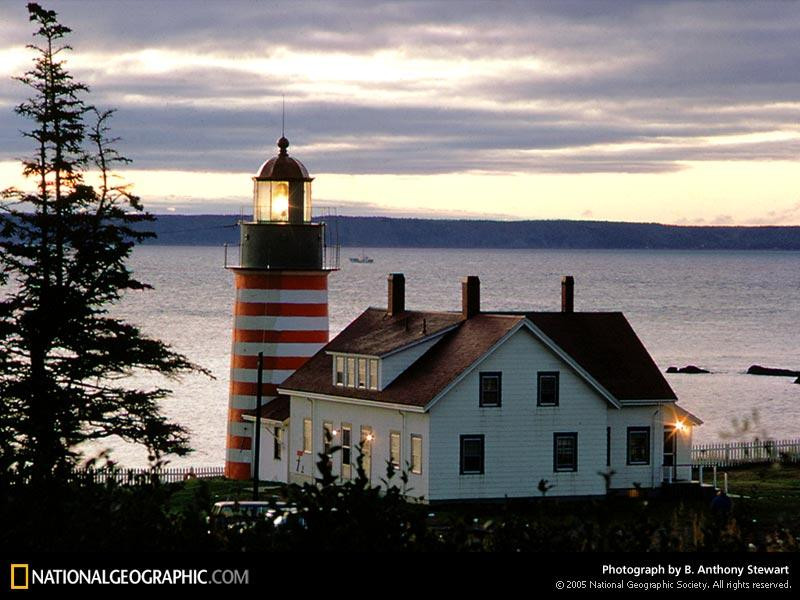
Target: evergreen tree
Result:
[63, 252]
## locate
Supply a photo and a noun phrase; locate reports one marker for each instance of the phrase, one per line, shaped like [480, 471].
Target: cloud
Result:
[432, 87]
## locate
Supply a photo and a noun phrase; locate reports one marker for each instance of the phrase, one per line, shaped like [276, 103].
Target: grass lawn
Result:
[769, 493]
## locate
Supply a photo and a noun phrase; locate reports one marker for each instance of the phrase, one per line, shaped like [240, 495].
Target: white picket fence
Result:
[138, 476]
[742, 453]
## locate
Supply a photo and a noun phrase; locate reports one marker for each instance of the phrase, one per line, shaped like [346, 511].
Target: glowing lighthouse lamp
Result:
[281, 308]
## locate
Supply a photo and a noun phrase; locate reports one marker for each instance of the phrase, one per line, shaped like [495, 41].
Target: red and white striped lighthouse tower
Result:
[281, 307]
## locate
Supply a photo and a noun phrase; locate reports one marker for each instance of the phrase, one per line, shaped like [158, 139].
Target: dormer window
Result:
[339, 377]
[362, 373]
[358, 372]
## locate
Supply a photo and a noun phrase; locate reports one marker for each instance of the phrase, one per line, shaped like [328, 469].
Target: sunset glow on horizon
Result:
[665, 112]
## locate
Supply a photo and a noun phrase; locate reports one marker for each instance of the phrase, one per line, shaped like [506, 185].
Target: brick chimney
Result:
[397, 294]
[567, 294]
[470, 296]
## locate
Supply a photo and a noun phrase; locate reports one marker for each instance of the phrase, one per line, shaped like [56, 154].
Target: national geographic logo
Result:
[22, 576]
[19, 576]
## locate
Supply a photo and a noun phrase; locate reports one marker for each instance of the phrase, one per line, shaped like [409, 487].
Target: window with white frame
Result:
[416, 453]
[327, 437]
[307, 436]
[356, 372]
[339, 374]
[373, 373]
[362, 373]
[277, 446]
[347, 450]
[366, 449]
[394, 449]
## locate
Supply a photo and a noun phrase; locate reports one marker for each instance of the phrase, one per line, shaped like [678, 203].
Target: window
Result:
[366, 450]
[471, 455]
[373, 374]
[307, 436]
[327, 437]
[346, 450]
[356, 372]
[565, 452]
[362, 372]
[638, 445]
[490, 392]
[608, 446]
[394, 449]
[277, 443]
[339, 378]
[547, 388]
[416, 453]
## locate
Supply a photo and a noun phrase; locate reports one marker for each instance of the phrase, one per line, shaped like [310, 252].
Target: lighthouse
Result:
[281, 307]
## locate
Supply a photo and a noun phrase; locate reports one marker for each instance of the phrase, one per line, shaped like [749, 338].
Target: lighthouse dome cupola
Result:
[282, 189]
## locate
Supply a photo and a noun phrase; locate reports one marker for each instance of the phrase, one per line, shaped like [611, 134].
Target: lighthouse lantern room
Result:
[281, 309]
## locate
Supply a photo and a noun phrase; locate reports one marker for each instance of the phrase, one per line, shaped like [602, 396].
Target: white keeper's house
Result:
[482, 405]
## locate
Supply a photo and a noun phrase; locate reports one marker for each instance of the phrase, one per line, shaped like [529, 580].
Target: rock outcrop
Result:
[759, 370]
[689, 369]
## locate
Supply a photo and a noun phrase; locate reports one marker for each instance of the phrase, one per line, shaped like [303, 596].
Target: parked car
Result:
[230, 514]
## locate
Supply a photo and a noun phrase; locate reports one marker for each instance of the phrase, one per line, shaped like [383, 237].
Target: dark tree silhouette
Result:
[63, 252]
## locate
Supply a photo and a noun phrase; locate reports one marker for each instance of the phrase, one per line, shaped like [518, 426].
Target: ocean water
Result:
[719, 310]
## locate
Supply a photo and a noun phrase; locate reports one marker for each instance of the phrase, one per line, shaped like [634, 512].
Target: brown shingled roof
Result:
[603, 344]
[276, 409]
[375, 333]
[607, 347]
[421, 382]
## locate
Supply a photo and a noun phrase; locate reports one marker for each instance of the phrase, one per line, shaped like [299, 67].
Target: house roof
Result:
[602, 344]
[276, 409]
[605, 345]
[375, 333]
[424, 379]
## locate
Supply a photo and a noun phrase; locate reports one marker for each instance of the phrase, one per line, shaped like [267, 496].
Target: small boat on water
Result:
[361, 259]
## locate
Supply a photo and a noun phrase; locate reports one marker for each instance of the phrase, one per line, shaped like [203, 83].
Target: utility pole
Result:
[257, 443]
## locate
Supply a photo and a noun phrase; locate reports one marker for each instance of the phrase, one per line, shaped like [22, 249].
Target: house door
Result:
[669, 462]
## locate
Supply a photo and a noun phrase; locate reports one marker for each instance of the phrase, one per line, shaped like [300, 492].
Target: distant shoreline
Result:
[392, 232]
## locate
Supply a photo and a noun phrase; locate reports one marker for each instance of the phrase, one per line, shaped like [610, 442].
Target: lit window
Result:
[547, 388]
[471, 455]
[416, 453]
[277, 443]
[346, 450]
[362, 372]
[490, 389]
[565, 452]
[351, 372]
[638, 445]
[373, 374]
[366, 450]
[280, 201]
[394, 449]
[307, 436]
[327, 437]
[339, 377]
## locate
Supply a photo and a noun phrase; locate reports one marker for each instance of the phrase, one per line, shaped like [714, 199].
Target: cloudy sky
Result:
[675, 112]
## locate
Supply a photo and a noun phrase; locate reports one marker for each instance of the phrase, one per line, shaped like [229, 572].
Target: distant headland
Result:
[392, 232]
